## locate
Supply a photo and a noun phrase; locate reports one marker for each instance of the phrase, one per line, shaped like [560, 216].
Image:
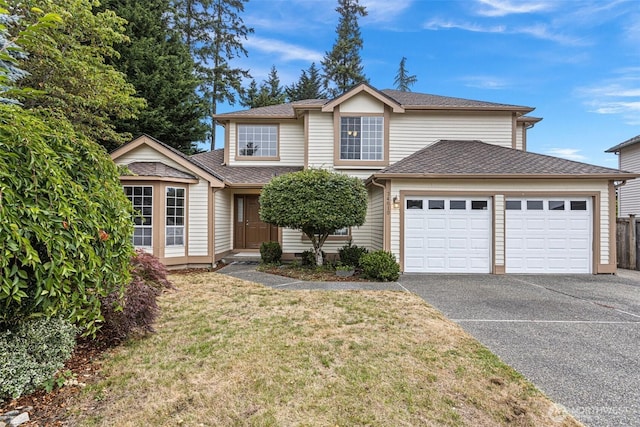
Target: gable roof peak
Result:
[366, 88]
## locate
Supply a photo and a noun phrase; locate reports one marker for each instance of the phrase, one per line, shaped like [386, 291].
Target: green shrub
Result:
[308, 258]
[65, 223]
[136, 311]
[350, 254]
[31, 352]
[380, 265]
[270, 252]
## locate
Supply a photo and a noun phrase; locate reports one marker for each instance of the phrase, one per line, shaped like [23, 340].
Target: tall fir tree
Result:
[403, 80]
[308, 86]
[213, 30]
[342, 66]
[158, 63]
[69, 65]
[269, 93]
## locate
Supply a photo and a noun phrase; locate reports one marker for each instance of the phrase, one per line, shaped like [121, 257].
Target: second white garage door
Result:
[545, 235]
[447, 235]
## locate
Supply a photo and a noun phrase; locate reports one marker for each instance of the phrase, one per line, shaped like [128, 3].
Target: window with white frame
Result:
[341, 232]
[361, 138]
[174, 230]
[141, 197]
[257, 140]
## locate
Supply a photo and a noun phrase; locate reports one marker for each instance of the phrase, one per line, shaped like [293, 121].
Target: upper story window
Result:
[257, 140]
[362, 138]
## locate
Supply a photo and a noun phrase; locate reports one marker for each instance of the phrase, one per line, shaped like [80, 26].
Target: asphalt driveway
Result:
[576, 337]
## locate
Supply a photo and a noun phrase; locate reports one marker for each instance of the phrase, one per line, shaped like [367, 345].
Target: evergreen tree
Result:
[270, 92]
[159, 65]
[403, 80]
[68, 65]
[309, 86]
[213, 30]
[342, 66]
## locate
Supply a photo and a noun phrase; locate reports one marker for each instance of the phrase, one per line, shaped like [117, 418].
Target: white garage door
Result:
[447, 235]
[548, 235]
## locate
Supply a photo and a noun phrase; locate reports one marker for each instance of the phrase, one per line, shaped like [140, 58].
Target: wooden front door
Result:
[249, 231]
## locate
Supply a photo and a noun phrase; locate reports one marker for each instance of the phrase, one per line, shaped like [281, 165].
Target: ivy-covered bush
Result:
[31, 352]
[270, 252]
[65, 223]
[136, 311]
[380, 265]
[351, 254]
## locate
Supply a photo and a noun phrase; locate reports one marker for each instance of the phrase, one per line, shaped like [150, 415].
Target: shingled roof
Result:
[628, 142]
[408, 100]
[461, 159]
[157, 169]
[239, 175]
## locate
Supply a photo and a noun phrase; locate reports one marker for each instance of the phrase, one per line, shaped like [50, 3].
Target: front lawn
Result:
[229, 352]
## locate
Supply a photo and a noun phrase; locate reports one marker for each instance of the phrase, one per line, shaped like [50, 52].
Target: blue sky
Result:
[577, 62]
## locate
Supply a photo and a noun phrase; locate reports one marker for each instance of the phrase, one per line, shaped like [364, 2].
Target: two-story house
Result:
[629, 160]
[451, 186]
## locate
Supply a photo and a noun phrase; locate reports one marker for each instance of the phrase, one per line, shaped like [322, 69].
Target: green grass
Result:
[233, 353]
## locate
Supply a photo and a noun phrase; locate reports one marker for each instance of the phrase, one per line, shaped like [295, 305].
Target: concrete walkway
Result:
[576, 337]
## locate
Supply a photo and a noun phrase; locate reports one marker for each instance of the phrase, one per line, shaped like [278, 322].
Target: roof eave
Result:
[523, 110]
[614, 176]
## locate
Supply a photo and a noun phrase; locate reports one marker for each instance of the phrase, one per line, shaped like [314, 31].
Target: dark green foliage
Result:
[403, 80]
[67, 64]
[308, 258]
[342, 66]
[270, 92]
[31, 352]
[270, 252]
[351, 254]
[158, 63]
[137, 310]
[65, 223]
[315, 201]
[213, 30]
[309, 86]
[380, 265]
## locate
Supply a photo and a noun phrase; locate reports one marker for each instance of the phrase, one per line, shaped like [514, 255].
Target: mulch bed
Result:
[50, 409]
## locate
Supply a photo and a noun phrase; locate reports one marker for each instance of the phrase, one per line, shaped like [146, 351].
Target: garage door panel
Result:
[455, 240]
[414, 243]
[548, 241]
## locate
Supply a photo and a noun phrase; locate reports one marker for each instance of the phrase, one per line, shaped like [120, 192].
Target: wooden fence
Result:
[627, 242]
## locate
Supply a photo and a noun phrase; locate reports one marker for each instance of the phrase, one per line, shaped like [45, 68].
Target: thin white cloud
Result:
[495, 8]
[384, 10]
[486, 82]
[538, 31]
[439, 24]
[567, 153]
[619, 95]
[283, 50]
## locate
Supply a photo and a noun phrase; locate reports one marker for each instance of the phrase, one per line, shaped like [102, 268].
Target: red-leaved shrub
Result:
[136, 310]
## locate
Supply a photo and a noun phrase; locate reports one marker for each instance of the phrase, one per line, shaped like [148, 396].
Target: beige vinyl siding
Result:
[320, 140]
[362, 104]
[520, 130]
[498, 188]
[198, 221]
[144, 153]
[375, 217]
[410, 132]
[629, 194]
[223, 221]
[290, 144]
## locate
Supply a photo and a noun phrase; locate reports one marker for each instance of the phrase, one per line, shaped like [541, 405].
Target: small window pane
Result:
[141, 198]
[342, 232]
[514, 205]
[556, 205]
[457, 205]
[479, 205]
[436, 204]
[414, 204]
[578, 205]
[534, 205]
